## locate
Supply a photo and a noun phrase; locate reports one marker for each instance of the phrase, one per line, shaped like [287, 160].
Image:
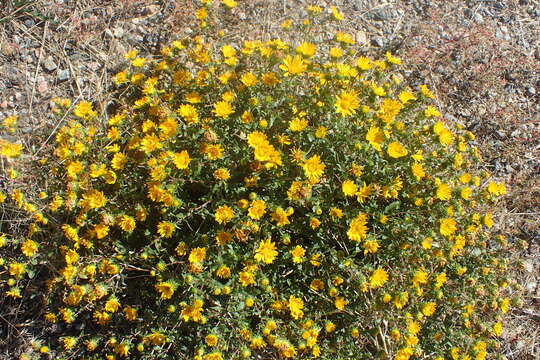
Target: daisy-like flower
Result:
[266, 252]
[347, 103]
[378, 278]
[313, 167]
[293, 65]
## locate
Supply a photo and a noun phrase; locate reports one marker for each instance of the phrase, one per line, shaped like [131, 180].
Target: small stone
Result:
[118, 32]
[377, 41]
[49, 64]
[29, 23]
[531, 90]
[63, 75]
[361, 37]
[18, 96]
[43, 87]
[109, 34]
[7, 49]
[478, 18]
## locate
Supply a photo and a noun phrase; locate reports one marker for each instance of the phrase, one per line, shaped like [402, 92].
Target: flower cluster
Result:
[308, 204]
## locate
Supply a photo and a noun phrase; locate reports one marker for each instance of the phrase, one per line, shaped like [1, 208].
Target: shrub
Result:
[274, 200]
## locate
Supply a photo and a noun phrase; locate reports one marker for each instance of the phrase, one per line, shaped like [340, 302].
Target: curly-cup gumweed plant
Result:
[257, 200]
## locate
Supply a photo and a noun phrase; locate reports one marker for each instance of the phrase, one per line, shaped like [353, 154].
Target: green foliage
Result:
[304, 204]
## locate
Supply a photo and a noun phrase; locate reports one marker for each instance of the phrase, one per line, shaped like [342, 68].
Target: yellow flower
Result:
[444, 192]
[448, 226]
[419, 277]
[396, 150]
[406, 96]
[401, 299]
[166, 289]
[293, 65]
[151, 143]
[211, 340]
[84, 110]
[295, 306]
[307, 49]
[257, 209]
[378, 278]
[375, 137]
[336, 14]
[229, 3]
[497, 329]
[213, 151]
[112, 304]
[392, 59]
[466, 193]
[197, 255]
[313, 167]
[488, 220]
[349, 188]
[223, 214]
[431, 111]
[93, 199]
[222, 174]
[298, 254]
[426, 91]
[298, 124]
[126, 223]
[364, 63]
[336, 213]
[340, 303]
[266, 252]
[347, 103]
[357, 228]
[165, 229]
[224, 272]
[370, 247]
[181, 160]
[223, 109]
[101, 230]
[429, 308]
[248, 79]
[280, 216]
[496, 189]
[130, 313]
[418, 171]
[29, 248]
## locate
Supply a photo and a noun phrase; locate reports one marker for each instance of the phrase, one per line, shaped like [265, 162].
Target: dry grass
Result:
[481, 81]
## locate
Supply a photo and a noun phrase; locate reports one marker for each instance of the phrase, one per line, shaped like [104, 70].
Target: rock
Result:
[7, 49]
[42, 87]
[18, 96]
[118, 32]
[361, 37]
[63, 75]
[49, 64]
[377, 41]
[29, 23]
[531, 90]
[478, 18]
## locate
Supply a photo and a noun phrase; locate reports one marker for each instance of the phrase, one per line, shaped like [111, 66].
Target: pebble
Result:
[118, 32]
[361, 37]
[531, 90]
[49, 64]
[63, 75]
[42, 87]
[377, 41]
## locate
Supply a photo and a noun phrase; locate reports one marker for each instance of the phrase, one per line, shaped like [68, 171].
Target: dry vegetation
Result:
[480, 56]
